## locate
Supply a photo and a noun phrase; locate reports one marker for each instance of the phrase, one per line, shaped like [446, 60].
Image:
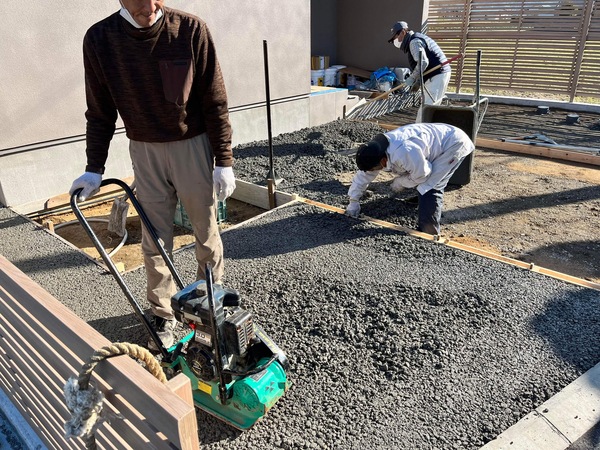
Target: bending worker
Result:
[411, 43]
[158, 69]
[422, 156]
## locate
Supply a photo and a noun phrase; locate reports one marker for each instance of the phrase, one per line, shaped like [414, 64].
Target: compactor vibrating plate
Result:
[237, 372]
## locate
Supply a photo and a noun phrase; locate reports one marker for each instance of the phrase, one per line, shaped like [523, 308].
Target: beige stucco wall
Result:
[41, 74]
[42, 91]
[42, 95]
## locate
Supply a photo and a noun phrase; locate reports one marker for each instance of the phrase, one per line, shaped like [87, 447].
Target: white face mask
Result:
[125, 14]
[397, 43]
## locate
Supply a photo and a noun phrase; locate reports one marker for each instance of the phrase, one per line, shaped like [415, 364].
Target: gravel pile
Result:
[398, 343]
[394, 342]
[307, 160]
[312, 164]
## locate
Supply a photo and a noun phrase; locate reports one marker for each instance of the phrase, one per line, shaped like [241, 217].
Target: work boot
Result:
[164, 328]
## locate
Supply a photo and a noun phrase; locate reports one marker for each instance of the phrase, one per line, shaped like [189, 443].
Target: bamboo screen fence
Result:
[527, 46]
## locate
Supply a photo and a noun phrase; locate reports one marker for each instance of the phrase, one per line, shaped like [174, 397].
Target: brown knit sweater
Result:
[164, 81]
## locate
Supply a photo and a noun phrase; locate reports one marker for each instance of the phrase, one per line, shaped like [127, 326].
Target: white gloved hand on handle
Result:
[353, 209]
[224, 182]
[89, 183]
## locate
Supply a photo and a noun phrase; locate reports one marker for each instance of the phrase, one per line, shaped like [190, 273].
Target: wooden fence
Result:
[43, 344]
[551, 47]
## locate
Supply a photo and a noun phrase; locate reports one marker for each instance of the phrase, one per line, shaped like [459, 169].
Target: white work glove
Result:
[89, 183]
[224, 182]
[411, 85]
[353, 209]
[396, 185]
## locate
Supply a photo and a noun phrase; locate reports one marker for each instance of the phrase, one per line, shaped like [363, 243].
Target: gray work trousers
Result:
[430, 211]
[163, 172]
[431, 202]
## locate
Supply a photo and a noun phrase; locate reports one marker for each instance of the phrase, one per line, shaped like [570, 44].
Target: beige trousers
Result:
[164, 172]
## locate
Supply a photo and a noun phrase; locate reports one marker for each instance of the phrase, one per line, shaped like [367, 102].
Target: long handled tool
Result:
[386, 103]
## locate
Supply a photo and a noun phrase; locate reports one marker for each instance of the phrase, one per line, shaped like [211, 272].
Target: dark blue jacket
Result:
[434, 54]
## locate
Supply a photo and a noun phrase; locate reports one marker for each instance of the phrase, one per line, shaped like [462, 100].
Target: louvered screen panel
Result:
[527, 46]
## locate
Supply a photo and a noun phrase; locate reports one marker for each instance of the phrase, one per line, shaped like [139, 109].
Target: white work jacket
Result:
[422, 155]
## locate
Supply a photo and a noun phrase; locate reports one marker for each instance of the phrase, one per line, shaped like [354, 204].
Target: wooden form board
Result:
[258, 195]
[43, 344]
[541, 150]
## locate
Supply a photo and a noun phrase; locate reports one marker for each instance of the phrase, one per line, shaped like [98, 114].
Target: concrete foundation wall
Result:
[327, 104]
[31, 175]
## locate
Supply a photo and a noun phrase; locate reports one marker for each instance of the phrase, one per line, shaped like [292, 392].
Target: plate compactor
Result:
[237, 371]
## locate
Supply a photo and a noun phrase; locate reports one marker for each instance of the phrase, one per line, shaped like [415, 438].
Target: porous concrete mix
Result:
[394, 342]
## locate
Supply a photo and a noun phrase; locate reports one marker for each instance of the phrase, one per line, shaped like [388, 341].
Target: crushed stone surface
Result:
[394, 342]
[309, 162]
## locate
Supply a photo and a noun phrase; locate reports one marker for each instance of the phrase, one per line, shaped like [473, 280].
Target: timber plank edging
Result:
[40, 334]
[541, 150]
[467, 248]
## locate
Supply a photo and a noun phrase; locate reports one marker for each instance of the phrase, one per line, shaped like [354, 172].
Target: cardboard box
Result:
[319, 62]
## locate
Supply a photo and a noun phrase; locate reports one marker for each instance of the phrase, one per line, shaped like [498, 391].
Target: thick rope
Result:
[85, 401]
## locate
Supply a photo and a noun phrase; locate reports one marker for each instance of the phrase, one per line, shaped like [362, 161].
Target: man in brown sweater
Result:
[157, 68]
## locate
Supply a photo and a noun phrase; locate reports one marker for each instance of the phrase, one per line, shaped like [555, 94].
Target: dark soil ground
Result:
[529, 208]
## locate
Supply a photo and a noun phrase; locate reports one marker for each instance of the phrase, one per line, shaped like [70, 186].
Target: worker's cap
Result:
[369, 155]
[397, 28]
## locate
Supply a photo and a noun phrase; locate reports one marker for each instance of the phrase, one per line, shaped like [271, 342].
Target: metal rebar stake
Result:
[271, 174]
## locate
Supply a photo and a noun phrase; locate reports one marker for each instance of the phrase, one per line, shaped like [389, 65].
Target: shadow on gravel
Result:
[322, 188]
[274, 240]
[279, 150]
[212, 430]
[564, 324]
[10, 223]
[51, 263]
[125, 328]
